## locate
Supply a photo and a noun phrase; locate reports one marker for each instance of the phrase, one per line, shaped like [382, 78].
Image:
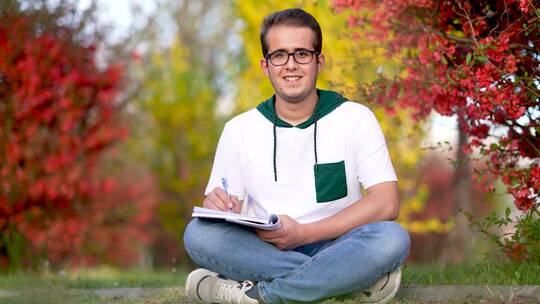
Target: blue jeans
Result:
[314, 271]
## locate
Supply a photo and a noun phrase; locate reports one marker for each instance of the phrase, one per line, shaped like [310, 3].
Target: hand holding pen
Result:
[220, 199]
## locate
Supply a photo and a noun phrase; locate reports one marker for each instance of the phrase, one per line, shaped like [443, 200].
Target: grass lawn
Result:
[74, 287]
[100, 277]
[487, 272]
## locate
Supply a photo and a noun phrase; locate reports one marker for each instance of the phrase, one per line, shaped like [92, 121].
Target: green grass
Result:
[100, 277]
[72, 287]
[69, 287]
[487, 272]
[50, 295]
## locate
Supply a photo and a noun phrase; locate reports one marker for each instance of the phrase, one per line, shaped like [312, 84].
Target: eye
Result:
[279, 55]
[302, 54]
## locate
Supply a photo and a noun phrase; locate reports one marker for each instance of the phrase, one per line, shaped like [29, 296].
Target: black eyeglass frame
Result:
[268, 56]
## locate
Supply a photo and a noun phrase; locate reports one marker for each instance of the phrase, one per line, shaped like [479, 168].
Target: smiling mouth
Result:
[292, 78]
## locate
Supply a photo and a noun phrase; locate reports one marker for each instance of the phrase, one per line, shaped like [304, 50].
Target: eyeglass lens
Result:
[300, 56]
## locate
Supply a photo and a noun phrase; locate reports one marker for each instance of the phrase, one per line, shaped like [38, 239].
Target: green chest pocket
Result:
[330, 181]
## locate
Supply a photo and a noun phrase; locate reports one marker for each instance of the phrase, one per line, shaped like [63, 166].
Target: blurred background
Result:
[110, 112]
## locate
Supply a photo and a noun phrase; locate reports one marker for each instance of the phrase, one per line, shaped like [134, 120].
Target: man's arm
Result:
[380, 204]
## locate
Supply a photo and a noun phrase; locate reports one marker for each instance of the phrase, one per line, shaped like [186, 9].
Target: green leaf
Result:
[468, 58]
[538, 12]
[508, 211]
[482, 59]
[479, 177]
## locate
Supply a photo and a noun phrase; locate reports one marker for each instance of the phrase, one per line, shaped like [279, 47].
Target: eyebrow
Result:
[294, 50]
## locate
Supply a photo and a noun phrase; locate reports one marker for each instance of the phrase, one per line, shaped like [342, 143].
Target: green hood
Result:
[328, 101]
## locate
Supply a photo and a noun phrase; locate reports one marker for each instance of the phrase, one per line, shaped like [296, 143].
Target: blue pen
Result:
[226, 187]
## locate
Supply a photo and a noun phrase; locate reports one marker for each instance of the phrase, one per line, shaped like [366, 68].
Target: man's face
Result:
[292, 82]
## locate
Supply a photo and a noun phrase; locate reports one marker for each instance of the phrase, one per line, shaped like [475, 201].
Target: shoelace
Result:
[232, 292]
[369, 292]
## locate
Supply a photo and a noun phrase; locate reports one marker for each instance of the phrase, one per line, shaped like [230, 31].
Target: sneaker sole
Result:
[196, 275]
[389, 297]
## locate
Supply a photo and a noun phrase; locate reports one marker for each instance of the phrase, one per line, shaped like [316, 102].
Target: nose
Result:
[291, 63]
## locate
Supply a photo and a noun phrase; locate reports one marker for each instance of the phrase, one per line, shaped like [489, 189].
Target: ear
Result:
[264, 66]
[320, 63]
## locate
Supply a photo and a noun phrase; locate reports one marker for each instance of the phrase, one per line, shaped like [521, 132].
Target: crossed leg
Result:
[350, 262]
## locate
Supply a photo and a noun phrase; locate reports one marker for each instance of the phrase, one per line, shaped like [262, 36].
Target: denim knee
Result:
[196, 236]
[393, 241]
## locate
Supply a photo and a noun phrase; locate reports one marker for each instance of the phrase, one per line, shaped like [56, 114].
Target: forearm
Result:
[379, 205]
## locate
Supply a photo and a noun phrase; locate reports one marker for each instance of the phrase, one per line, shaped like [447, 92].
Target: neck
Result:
[296, 113]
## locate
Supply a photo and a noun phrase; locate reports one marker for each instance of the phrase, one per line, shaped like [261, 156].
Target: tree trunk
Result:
[458, 245]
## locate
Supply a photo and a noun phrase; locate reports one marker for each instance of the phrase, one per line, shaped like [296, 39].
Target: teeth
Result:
[292, 78]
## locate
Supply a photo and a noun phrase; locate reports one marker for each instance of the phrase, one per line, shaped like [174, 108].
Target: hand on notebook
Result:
[289, 236]
[218, 199]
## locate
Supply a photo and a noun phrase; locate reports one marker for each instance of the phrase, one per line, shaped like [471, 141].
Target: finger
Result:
[272, 240]
[213, 202]
[279, 245]
[272, 234]
[224, 197]
[218, 198]
[208, 204]
[260, 233]
[237, 204]
[263, 235]
[216, 201]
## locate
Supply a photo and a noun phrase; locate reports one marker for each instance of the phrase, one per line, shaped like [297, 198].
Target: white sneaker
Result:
[383, 290]
[205, 286]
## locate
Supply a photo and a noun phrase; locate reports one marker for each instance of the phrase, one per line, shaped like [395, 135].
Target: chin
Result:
[294, 97]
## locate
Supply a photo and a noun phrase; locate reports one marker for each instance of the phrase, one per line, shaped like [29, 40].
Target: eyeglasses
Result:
[300, 56]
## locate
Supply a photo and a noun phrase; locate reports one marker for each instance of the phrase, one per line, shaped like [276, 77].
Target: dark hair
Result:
[294, 17]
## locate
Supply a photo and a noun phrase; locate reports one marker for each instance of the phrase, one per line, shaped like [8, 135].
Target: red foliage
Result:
[516, 251]
[58, 114]
[474, 59]
[110, 229]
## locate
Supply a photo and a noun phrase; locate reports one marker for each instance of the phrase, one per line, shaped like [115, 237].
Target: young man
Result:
[303, 154]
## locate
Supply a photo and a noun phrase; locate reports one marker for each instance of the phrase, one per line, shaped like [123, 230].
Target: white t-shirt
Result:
[349, 133]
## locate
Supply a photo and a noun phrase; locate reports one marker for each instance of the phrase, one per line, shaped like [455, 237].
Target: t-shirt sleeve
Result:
[227, 163]
[373, 164]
